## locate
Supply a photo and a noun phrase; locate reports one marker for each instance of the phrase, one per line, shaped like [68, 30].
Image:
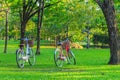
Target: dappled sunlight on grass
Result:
[90, 66]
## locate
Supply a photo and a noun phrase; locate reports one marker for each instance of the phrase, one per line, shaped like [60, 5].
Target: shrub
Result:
[76, 45]
[100, 38]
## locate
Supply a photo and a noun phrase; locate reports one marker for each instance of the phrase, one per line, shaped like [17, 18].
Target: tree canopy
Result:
[59, 16]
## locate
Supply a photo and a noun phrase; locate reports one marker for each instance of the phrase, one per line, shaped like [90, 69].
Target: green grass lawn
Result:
[91, 65]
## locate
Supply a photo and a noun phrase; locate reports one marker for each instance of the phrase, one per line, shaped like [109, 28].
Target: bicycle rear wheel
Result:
[19, 60]
[57, 60]
[71, 58]
[31, 59]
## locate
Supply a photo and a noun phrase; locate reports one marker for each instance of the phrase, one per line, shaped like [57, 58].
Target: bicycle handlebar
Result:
[62, 42]
[59, 43]
[25, 39]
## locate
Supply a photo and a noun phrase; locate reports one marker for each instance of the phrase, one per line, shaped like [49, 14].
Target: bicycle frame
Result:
[27, 49]
[25, 55]
[64, 54]
[65, 45]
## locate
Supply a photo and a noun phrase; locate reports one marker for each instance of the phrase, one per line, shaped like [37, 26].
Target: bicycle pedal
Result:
[63, 58]
[25, 58]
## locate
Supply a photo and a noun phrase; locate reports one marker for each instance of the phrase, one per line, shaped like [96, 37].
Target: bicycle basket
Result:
[31, 43]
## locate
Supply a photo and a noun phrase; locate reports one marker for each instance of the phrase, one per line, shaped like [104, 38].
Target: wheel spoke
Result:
[71, 58]
[57, 59]
[31, 57]
[19, 60]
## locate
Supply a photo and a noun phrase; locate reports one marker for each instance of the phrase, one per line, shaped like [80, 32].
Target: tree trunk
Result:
[38, 41]
[88, 41]
[38, 35]
[38, 32]
[23, 26]
[23, 21]
[107, 7]
[6, 32]
[40, 16]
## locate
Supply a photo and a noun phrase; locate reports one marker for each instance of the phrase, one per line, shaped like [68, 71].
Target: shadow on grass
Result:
[49, 68]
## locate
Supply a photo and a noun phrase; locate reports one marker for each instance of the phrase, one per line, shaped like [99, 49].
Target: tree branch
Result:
[28, 5]
[99, 2]
[42, 12]
[51, 4]
[36, 10]
[30, 9]
[33, 13]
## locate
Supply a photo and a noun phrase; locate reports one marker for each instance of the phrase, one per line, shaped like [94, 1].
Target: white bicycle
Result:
[25, 54]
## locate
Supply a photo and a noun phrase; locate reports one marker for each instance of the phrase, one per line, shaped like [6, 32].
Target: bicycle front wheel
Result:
[31, 59]
[57, 60]
[19, 60]
[71, 58]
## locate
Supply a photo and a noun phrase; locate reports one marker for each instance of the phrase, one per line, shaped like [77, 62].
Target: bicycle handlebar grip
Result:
[59, 43]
